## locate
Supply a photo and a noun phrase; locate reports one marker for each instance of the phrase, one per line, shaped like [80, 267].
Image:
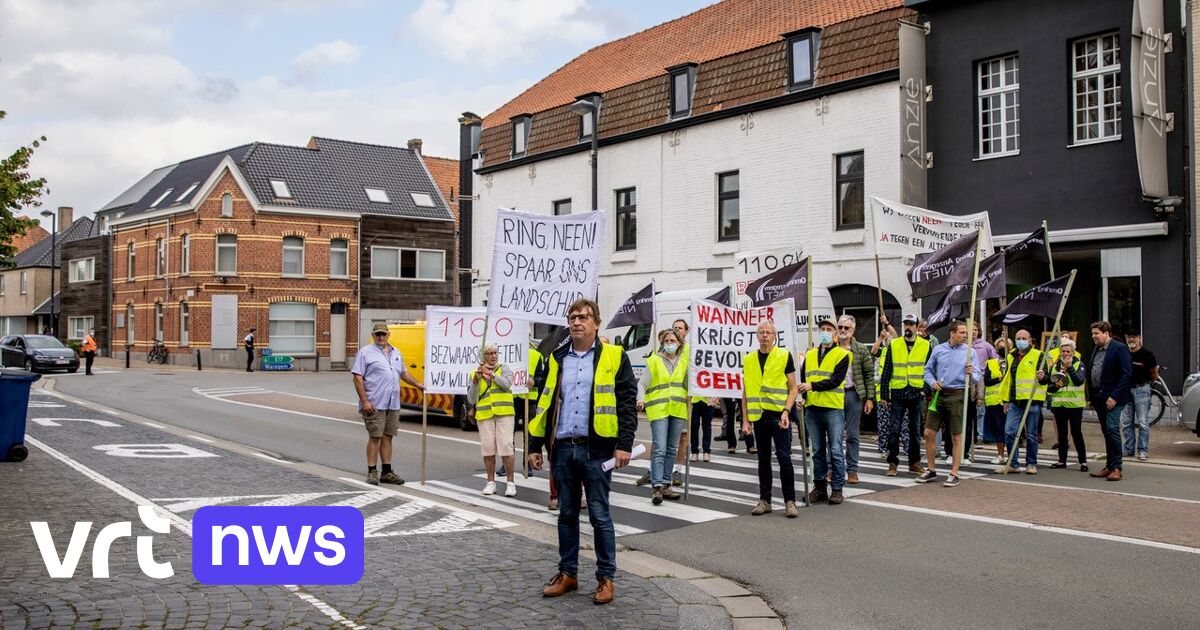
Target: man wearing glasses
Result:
[378, 370]
[860, 390]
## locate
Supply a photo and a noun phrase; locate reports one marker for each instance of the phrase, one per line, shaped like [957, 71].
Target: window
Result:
[422, 200]
[160, 257]
[520, 130]
[131, 257]
[293, 328]
[802, 59]
[158, 321]
[184, 323]
[714, 274]
[293, 256]
[999, 107]
[1096, 84]
[24, 283]
[226, 254]
[129, 328]
[77, 327]
[185, 254]
[626, 219]
[377, 195]
[187, 192]
[104, 224]
[683, 82]
[2, 277]
[561, 207]
[850, 191]
[280, 188]
[586, 124]
[227, 205]
[83, 270]
[339, 258]
[394, 263]
[729, 207]
[161, 197]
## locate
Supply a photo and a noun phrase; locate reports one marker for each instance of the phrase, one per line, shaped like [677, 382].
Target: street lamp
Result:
[53, 269]
[591, 107]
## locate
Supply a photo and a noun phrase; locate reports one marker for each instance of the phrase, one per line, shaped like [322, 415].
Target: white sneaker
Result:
[1143, 456]
[997, 460]
[510, 489]
[490, 488]
[966, 461]
[708, 457]
[695, 457]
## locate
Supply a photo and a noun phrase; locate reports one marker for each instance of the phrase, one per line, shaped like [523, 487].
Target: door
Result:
[337, 332]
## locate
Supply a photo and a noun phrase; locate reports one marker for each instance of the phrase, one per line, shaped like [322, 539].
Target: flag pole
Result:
[803, 428]
[1041, 365]
[958, 450]
[878, 274]
[1049, 254]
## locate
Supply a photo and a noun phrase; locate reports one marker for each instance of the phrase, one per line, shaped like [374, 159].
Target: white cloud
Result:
[490, 32]
[337, 52]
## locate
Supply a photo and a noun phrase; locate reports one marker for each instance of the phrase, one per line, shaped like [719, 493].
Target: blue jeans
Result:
[664, 434]
[1032, 424]
[854, 408]
[825, 427]
[575, 472]
[980, 412]
[1110, 426]
[1137, 415]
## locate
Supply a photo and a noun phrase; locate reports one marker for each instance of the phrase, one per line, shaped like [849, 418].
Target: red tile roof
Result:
[31, 236]
[715, 31]
[445, 175]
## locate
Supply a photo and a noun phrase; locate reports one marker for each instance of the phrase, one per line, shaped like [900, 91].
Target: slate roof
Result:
[177, 180]
[45, 307]
[139, 190]
[39, 255]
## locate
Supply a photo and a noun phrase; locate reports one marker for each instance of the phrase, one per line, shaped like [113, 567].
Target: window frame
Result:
[723, 196]
[187, 192]
[688, 73]
[24, 282]
[185, 324]
[89, 320]
[813, 37]
[376, 249]
[73, 265]
[280, 184]
[272, 336]
[227, 208]
[380, 195]
[345, 249]
[1000, 92]
[162, 197]
[2, 278]
[838, 180]
[557, 204]
[284, 248]
[160, 322]
[130, 261]
[523, 122]
[590, 118]
[185, 254]
[429, 196]
[160, 257]
[622, 210]
[1100, 72]
[217, 261]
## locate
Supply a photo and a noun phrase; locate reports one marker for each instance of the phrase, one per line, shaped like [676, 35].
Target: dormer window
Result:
[683, 85]
[377, 195]
[161, 197]
[802, 58]
[520, 130]
[187, 192]
[280, 188]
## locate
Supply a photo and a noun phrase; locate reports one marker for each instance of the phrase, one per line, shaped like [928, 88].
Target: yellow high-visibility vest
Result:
[534, 362]
[908, 367]
[766, 386]
[667, 393]
[1070, 396]
[819, 371]
[1026, 374]
[492, 402]
[994, 394]
[604, 394]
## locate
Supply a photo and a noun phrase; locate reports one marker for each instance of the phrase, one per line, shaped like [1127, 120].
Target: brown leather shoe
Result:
[604, 591]
[891, 470]
[553, 505]
[852, 478]
[818, 493]
[1103, 472]
[835, 497]
[916, 469]
[1114, 475]
[560, 585]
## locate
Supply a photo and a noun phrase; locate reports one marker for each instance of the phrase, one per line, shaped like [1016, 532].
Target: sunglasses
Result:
[845, 328]
[380, 334]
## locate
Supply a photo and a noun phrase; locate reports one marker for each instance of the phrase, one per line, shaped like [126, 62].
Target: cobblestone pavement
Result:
[427, 564]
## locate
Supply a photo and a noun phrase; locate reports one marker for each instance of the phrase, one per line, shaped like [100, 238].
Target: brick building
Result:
[271, 236]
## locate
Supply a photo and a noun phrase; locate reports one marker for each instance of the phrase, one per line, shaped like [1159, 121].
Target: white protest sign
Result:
[909, 230]
[541, 264]
[749, 266]
[452, 341]
[721, 335]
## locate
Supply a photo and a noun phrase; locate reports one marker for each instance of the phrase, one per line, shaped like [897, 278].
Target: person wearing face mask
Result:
[495, 415]
[1067, 399]
[769, 392]
[1024, 385]
[860, 390]
[662, 394]
[901, 384]
[1136, 417]
[825, 368]
[993, 415]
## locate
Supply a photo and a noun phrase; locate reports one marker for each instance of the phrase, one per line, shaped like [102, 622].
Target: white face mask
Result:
[825, 337]
[671, 348]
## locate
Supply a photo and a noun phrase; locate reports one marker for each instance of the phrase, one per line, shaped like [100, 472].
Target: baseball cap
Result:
[910, 318]
[379, 327]
[1066, 341]
[821, 321]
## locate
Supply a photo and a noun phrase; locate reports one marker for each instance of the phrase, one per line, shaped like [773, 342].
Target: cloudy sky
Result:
[120, 87]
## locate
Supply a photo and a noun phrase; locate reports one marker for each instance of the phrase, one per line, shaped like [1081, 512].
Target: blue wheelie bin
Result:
[14, 404]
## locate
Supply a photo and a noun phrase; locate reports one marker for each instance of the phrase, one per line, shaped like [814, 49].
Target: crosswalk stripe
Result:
[516, 507]
[670, 509]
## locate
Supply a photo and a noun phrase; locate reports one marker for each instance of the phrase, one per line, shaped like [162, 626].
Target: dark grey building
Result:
[84, 299]
[1032, 118]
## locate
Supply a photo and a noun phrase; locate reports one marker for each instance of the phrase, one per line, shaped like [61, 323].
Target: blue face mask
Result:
[1022, 344]
[825, 337]
[671, 348]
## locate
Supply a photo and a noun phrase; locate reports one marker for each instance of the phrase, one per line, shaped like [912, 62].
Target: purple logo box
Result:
[299, 545]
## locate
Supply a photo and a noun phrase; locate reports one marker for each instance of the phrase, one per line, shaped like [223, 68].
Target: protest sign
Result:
[721, 335]
[909, 230]
[748, 266]
[453, 337]
[541, 264]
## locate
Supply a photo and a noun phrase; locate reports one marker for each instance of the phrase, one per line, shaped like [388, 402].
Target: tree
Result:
[17, 189]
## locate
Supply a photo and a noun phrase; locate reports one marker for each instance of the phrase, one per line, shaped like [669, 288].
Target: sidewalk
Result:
[429, 564]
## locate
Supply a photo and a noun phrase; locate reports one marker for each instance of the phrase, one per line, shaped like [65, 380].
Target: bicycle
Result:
[1161, 398]
[157, 354]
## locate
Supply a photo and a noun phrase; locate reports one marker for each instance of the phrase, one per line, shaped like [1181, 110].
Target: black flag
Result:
[638, 309]
[991, 282]
[789, 281]
[721, 297]
[953, 264]
[948, 310]
[1032, 247]
[1040, 301]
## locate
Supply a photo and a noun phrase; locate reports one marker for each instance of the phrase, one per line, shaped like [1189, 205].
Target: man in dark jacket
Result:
[1109, 374]
[586, 414]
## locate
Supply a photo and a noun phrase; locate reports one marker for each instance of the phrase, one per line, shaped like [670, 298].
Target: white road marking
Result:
[1123, 494]
[292, 499]
[197, 437]
[37, 404]
[111, 412]
[508, 506]
[670, 509]
[1188, 442]
[362, 499]
[274, 459]
[152, 424]
[1033, 526]
[494, 522]
[55, 422]
[387, 518]
[183, 524]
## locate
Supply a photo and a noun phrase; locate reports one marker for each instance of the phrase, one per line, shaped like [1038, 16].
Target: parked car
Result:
[37, 353]
[1189, 404]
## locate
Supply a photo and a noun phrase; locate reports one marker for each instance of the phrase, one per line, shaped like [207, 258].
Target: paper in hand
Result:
[638, 451]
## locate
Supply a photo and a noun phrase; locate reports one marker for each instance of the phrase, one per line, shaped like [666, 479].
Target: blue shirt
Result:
[948, 364]
[381, 369]
[576, 376]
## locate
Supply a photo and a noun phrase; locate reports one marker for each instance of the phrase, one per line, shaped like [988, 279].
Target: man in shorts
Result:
[378, 370]
[952, 370]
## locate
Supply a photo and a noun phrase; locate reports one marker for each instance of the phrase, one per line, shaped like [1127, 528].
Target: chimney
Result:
[415, 144]
[66, 215]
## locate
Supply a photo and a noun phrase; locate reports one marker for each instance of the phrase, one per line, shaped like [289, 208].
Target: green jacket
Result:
[862, 370]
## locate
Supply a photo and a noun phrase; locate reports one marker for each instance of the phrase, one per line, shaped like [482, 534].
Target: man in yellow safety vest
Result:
[825, 368]
[768, 394]
[901, 392]
[1024, 384]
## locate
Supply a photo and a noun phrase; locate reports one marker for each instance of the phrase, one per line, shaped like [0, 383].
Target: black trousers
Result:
[769, 433]
[904, 412]
[88, 358]
[731, 425]
[249, 359]
[702, 416]
[1070, 418]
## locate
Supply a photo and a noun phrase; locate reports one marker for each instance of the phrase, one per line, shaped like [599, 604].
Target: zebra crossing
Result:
[221, 392]
[725, 487]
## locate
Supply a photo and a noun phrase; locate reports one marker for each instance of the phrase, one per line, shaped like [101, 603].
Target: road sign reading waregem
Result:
[276, 362]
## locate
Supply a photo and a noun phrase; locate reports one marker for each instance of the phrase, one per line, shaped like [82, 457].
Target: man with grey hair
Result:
[860, 390]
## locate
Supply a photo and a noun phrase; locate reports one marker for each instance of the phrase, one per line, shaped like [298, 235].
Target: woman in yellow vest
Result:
[993, 415]
[491, 393]
[1066, 386]
[662, 394]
